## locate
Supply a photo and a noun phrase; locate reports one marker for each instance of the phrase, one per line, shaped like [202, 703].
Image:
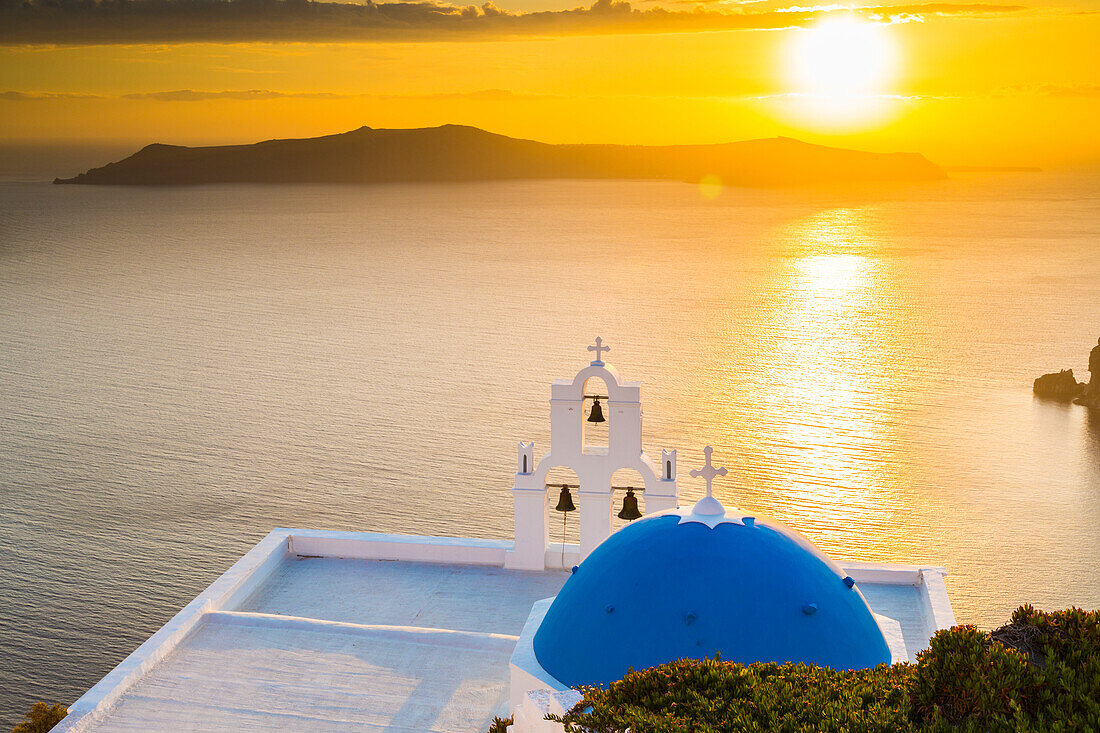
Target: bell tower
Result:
[593, 466]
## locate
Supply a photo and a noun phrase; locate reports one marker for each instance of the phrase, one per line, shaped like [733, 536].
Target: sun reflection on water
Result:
[819, 413]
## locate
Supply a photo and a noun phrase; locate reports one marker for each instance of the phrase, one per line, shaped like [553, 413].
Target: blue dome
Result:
[660, 589]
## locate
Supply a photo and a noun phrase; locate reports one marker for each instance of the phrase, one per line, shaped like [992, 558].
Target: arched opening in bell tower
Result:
[595, 416]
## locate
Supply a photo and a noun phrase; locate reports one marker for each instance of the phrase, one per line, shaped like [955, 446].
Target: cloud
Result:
[706, 2]
[1069, 91]
[248, 95]
[36, 96]
[59, 22]
[191, 95]
[920, 10]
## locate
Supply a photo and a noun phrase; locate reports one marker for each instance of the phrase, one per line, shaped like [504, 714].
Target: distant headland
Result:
[459, 153]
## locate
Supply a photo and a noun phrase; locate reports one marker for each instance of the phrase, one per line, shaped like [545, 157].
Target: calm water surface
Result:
[182, 370]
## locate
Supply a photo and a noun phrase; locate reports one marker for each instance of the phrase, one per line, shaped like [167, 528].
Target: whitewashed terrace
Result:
[340, 631]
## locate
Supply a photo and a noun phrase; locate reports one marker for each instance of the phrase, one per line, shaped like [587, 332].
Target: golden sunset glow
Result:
[961, 84]
[732, 341]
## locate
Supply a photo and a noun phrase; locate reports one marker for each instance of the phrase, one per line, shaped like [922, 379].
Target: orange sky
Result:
[967, 84]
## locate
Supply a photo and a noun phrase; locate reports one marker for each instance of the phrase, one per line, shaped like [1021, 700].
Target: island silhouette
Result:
[461, 153]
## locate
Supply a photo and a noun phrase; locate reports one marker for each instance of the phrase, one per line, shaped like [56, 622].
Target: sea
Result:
[184, 369]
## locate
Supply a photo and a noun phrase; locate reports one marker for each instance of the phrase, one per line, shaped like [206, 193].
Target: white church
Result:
[318, 630]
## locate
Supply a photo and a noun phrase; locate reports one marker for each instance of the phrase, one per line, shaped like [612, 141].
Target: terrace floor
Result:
[328, 644]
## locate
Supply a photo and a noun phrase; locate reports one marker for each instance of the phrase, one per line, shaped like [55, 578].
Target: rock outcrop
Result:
[1061, 386]
[1090, 399]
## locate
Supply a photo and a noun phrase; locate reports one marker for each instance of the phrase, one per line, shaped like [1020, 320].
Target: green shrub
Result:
[500, 725]
[1041, 672]
[41, 718]
[712, 695]
[964, 677]
[1067, 696]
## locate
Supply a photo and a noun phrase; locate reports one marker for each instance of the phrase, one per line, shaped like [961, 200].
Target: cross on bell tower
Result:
[598, 348]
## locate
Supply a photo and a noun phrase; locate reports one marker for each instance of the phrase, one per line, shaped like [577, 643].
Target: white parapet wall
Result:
[410, 548]
[557, 559]
[936, 606]
[235, 584]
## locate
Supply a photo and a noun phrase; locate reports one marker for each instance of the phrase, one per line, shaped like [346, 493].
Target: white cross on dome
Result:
[708, 505]
[708, 472]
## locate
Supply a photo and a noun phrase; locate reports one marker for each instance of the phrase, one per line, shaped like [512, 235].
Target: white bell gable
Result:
[593, 465]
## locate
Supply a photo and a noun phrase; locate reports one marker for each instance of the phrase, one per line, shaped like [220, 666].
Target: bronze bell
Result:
[565, 501]
[597, 412]
[630, 507]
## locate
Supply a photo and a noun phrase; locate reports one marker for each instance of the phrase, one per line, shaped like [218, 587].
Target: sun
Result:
[840, 70]
[842, 56]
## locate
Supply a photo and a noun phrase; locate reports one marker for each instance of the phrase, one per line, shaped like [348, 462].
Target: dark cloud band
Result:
[184, 21]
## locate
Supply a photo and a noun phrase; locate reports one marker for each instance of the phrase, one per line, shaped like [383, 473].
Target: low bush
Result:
[1040, 672]
[964, 677]
[711, 695]
[500, 725]
[41, 718]
[1068, 696]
